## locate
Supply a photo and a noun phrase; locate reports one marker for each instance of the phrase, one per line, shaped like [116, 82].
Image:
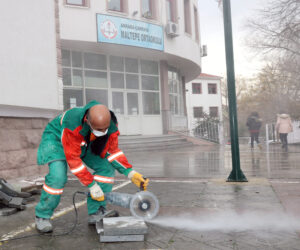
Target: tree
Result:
[275, 34]
[277, 28]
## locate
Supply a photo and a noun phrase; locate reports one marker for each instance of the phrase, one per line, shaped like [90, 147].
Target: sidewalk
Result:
[199, 209]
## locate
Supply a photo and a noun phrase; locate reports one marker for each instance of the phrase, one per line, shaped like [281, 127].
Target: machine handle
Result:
[142, 184]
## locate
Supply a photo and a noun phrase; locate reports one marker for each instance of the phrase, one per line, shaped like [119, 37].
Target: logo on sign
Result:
[108, 29]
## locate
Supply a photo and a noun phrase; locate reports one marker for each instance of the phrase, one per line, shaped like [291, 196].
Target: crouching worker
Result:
[79, 138]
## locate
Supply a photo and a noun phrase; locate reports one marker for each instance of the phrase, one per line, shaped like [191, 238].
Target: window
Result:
[84, 78]
[187, 17]
[171, 11]
[148, 8]
[175, 92]
[213, 111]
[151, 103]
[72, 98]
[197, 88]
[76, 2]
[196, 23]
[150, 87]
[198, 112]
[212, 88]
[117, 5]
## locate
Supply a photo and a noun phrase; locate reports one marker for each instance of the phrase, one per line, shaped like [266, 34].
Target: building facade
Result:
[134, 56]
[131, 56]
[204, 99]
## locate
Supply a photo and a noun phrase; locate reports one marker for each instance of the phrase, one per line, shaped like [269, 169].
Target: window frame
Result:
[208, 88]
[202, 113]
[187, 17]
[123, 4]
[217, 113]
[153, 10]
[196, 23]
[85, 3]
[196, 83]
[174, 14]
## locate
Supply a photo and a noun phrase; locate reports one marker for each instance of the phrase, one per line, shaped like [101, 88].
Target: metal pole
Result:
[236, 174]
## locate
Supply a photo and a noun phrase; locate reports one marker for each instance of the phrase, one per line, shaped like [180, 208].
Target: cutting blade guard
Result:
[144, 205]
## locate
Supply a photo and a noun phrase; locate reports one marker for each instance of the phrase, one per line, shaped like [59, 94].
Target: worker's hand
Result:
[96, 192]
[138, 180]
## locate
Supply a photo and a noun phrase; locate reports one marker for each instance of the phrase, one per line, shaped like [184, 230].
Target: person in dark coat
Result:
[254, 124]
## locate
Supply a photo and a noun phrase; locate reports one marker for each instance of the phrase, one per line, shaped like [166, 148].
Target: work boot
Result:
[43, 225]
[100, 214]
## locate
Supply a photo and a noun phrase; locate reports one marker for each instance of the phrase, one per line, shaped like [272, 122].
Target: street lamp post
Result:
[236, 174]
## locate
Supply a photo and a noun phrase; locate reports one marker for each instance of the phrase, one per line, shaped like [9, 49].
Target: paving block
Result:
[99, 227]
[8, 211]
[120, 238]
[127, 225]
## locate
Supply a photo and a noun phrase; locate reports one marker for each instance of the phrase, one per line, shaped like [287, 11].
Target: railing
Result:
[272, 135]
[208, 130]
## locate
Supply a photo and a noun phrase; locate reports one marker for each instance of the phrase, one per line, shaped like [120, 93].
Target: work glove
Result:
[138, 180]
[96, 192]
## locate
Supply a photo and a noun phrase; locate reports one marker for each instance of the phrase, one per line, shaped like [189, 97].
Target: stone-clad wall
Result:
[19, 140]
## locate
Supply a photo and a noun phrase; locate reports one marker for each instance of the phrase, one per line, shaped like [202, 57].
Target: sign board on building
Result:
[118, 30]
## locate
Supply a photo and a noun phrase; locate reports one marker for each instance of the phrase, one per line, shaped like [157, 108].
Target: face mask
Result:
[99, 133]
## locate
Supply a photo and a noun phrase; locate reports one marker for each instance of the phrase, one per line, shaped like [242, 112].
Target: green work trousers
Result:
[56, 179]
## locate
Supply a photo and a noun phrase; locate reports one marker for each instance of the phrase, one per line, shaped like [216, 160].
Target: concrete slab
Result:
[122, 238]
[126, 225]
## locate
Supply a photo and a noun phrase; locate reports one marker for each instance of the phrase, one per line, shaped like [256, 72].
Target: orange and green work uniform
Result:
[68, 142]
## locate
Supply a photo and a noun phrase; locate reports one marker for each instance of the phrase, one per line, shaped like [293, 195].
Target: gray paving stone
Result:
[126, 225]
[121, 238]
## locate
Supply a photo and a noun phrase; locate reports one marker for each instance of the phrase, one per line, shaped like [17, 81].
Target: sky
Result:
[212, 34]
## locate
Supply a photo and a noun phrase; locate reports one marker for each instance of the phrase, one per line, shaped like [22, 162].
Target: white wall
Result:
[204, 100]
[28, 66]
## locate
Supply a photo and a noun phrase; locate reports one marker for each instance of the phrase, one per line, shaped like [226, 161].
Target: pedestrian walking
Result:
[283, 127]
[254, 124]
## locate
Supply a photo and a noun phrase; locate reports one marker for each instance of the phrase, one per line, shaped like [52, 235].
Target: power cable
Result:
[51, 234]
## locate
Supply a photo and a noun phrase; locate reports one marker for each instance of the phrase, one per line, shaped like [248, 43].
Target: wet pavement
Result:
[199, 209]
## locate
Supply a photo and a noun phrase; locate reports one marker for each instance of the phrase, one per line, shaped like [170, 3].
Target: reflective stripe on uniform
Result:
[114, 156]
[121, 164]
[78, 169]
[62, 117]
[53, 191]
[104, 179]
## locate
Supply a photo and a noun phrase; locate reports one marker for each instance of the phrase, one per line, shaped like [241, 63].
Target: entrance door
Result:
[125, 105]
[133, 117]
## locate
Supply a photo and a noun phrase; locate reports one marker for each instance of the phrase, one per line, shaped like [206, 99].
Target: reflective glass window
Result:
[95, 79]
[118, 102]
[132, 81]
[94, 61]
[100, 95]
[72, 98]
[149, 67]
[131, 65]
[76, 59]
[151, 103]
[150, 83]
[117, 80]
[116, 63]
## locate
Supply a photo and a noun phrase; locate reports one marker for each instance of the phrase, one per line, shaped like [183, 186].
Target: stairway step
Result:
[144, 142]
[157, 147]
[143, 138]
[152, 142]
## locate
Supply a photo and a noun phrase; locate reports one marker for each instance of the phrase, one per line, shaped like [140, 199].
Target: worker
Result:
[79, 138]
